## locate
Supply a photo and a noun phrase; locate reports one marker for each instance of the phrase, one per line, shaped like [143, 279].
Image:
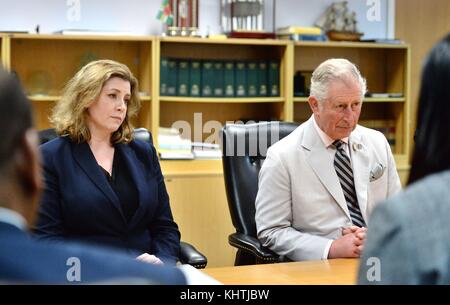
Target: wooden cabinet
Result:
[44, 63]
[200, 208]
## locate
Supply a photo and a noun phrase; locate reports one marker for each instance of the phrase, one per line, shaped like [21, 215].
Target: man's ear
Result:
[314, 104]
[28, 167]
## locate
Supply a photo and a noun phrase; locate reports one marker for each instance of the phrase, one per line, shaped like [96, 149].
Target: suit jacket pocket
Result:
[378, 190]
[377, 172]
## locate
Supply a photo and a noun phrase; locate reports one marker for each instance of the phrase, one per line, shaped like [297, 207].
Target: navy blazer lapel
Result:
[84, 157]
[135, 168]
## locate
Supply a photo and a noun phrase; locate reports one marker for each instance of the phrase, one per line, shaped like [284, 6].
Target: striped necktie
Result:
[345, 173]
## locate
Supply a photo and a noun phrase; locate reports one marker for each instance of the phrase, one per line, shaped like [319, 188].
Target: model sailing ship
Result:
[339, 23]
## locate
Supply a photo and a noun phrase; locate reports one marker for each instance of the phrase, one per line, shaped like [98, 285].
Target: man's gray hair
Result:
[331, 70]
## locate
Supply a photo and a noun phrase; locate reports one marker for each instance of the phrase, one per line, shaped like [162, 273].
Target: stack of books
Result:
[384, 95]
[172, 146]
[206, 150]
[219, 78]
[384, 40]
[301, 33]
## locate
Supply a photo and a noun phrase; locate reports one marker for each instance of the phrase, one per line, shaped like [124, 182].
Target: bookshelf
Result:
[44, 63]
[223, 109]
[196, 187]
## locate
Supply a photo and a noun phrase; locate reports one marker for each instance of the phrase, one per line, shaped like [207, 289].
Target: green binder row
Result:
[219, 78]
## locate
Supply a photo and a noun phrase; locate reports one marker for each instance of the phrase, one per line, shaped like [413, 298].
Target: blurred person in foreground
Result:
[408, 239]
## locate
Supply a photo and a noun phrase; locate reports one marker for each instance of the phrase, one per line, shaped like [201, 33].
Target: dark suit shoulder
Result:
[427, 193]
[55, 149]
[422, 207]
[97, 264]
[55, 146]
[409, 233]
[141, 146]
[145, 152]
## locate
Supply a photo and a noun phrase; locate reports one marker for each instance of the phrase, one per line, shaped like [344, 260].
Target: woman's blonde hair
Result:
[68, 116]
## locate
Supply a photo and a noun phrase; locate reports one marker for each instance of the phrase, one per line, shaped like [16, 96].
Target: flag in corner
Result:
[165, 13]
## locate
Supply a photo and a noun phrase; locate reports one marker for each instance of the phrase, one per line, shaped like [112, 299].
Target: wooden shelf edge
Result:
[366, 100]
[145, 98]
[384, 100]
[44, 98]
[54, 98]
[175, 168]
[225, 100]
[83, 37]
[237, 41]
[348, 44]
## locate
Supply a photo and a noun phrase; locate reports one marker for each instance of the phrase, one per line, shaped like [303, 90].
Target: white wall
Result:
[139, 16]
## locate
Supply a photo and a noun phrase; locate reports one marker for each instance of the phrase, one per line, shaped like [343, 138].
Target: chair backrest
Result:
[244, 148]
[143, 134]
[46, 135]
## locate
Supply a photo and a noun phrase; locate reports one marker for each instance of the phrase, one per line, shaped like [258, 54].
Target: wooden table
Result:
[333, 271]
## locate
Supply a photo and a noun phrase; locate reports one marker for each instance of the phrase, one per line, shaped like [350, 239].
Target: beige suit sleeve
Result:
[394, 185]
[274, 214]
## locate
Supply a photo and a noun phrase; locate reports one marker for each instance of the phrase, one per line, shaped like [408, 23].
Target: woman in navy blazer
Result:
[101, 185]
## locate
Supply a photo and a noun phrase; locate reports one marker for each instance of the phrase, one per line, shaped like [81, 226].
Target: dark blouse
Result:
[122, 184]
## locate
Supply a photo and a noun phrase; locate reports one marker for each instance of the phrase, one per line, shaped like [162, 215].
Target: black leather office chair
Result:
[242, 161]
[188, 253]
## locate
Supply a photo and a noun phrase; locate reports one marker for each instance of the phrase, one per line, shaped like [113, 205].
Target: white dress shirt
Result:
[13, 218]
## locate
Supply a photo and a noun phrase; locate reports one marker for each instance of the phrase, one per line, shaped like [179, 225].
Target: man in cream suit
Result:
[316, 193]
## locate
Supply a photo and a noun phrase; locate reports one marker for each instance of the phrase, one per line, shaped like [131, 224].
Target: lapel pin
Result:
[356, 146]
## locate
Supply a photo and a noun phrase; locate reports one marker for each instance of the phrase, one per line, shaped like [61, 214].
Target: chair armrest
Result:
[190, 255]
[252, 245]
